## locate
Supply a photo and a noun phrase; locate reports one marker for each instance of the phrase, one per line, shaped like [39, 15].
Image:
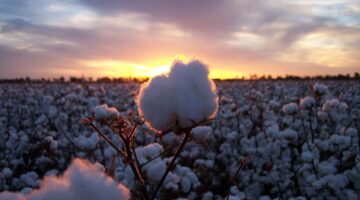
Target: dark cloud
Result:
[204, 16]
[208, 24]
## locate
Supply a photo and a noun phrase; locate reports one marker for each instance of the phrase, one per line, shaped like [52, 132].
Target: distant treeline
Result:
[72, 79]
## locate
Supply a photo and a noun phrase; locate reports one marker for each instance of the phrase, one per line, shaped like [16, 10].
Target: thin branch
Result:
[152, 159]
[121, 152]
[177, 153]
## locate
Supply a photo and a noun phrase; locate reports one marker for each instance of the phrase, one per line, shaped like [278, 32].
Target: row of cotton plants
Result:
[268, 140]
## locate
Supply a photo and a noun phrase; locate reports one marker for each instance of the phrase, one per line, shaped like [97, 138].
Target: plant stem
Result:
[233, 177]
[128, 158]
[121, 152]
[311, 127]
[177, 153]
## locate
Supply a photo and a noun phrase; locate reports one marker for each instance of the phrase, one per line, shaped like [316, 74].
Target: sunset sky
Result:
[46, 38]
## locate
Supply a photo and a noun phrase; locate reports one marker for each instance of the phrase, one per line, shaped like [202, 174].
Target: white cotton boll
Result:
[326, 168]
[273, 130]
[181, 99]
[185, 184]
[156, 103]
[172, 178]
[169, 139]
[152, 150]
[288, 134]
[320, 89]
[290, 108]
[265, 198]
[232, 135]
[339, 140]
[322, 115]
[330, 105]
[52, 112]
[30, 179]
[81, 180]
[92, 102]
[196, 97]
[7, 172]
[155, 170]
[201, 133]
[101, 112]
[307, 102]
[307, 156]
[109, 153]
[208, 196]
[113, 113]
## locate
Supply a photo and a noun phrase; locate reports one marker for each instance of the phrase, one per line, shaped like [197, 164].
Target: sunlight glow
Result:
[118, 68]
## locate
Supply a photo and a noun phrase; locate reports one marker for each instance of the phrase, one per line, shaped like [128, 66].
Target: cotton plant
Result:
[251, 140]
[175, 102]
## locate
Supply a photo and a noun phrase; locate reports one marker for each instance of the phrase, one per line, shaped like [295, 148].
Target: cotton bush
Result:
[312, 153]
[81, 181]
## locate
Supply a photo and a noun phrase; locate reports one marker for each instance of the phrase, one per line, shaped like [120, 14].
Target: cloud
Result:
[233, 35]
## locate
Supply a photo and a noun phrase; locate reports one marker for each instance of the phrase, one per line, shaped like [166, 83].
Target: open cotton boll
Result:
[7, 173]
[181, 99]
[156, 103]
[101, 112]
[80, 181]
[155, 170]
[290, 108]
[113, 113]
[307, 102]
[320, 89]
[196, 99]
[201, 133]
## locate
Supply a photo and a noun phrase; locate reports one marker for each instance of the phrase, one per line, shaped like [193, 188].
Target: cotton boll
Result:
[307, 156]
[326, 168]
[201, 133]
[7, 172]
[169, 139]
[80, 181]
[288, 134]
[181, 99]
[113, 113]
[330, 105]
[196, 99]
[208, 196]
[322, 115]
[185, 184]
[156, 103]
[156, 170]
[152, 150]
[320, 89]
[307, 102]
[290, 108]
[101, 112]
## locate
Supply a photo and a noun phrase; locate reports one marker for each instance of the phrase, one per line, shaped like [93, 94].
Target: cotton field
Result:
[269, 140]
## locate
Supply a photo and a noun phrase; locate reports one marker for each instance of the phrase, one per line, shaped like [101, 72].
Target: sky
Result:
[118, 38]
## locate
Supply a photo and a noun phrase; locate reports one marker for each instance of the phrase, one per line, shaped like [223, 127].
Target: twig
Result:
[121, 152]
[177, 153]
[233, 177]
